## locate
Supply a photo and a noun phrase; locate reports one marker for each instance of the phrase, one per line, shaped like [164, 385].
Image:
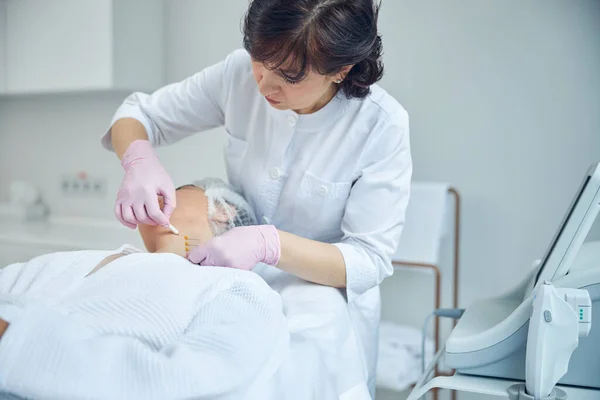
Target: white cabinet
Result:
[83, 45]
[20, 241]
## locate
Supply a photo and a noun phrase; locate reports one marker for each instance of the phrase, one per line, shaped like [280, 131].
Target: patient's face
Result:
[190, 218]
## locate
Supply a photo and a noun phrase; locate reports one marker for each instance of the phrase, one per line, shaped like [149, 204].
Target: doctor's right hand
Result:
[145, 179]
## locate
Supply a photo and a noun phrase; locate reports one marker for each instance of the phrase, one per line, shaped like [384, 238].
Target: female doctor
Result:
[320, 152]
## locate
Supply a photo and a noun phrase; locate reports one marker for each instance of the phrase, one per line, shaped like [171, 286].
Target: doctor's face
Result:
[305, 96]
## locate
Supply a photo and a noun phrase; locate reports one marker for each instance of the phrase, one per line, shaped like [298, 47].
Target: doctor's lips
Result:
[271, 100]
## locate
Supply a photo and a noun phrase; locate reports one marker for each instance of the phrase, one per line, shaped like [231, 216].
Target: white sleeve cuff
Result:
[361, 272]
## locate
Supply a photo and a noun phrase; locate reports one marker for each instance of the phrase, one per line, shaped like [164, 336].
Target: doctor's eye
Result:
[290, 81]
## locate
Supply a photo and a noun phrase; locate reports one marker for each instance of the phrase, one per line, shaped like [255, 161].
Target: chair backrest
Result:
[427, 223]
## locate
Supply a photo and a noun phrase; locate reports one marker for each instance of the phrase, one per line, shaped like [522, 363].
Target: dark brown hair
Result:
[318, 35]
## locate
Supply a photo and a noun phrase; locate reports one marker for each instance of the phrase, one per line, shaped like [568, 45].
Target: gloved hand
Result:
[145, 179]
[242, 248]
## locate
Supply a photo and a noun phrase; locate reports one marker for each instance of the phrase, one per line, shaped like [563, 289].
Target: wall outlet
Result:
[83, 186]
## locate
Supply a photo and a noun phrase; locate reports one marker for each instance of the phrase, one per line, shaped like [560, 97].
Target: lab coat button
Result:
[266, 220]
[322, 190]
[275, 173]
[292, 120]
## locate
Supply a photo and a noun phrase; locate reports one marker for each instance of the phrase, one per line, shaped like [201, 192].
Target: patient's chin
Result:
[158, 239]
[172, 244]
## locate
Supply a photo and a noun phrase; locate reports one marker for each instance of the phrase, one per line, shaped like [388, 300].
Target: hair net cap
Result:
[226, 207]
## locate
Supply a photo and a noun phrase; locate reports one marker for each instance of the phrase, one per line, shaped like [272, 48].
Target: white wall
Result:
[2, 44]
[503, 98]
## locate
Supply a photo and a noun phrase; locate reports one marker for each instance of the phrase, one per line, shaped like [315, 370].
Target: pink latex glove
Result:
[242, 248]
[145, 179]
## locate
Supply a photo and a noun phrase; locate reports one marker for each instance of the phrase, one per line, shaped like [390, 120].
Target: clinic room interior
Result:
[494, 119]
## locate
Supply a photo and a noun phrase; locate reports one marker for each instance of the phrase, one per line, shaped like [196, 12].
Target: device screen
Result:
[562, 227]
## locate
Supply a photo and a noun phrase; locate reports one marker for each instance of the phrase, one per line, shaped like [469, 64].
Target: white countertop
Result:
[69, 233]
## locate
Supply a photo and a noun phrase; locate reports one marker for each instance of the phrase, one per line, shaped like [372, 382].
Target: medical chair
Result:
[429, 248]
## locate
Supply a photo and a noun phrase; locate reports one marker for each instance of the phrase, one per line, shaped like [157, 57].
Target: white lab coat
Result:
[340, 175]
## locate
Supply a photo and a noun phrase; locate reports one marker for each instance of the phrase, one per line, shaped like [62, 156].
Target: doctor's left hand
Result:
[242, 248]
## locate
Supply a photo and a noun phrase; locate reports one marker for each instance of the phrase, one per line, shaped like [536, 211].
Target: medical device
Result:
[559, 318]
[573, 229]
[454, 313]
[489, 344]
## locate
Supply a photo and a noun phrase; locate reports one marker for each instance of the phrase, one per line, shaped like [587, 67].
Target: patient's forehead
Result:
[185, 190]
[192, 192]
[189, 188]
[184, 187]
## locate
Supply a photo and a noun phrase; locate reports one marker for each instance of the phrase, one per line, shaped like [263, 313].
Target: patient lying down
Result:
[127, 324]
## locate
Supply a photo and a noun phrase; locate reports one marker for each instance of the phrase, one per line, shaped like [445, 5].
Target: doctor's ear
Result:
[340, 76]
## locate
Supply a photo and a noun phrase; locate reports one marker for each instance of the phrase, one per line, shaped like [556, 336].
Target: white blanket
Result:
[145, 326]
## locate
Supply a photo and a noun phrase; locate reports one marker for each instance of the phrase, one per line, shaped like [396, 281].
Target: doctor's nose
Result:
[266, 81]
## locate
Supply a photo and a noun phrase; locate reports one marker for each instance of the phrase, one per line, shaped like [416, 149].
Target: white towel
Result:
[145, 326]
[399, 360]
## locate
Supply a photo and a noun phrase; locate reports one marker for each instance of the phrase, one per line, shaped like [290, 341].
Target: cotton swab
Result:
[173, 229]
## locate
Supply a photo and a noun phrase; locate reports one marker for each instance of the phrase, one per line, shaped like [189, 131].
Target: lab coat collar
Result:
[318, 120]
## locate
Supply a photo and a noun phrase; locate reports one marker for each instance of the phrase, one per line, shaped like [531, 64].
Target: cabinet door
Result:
[58, 45]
